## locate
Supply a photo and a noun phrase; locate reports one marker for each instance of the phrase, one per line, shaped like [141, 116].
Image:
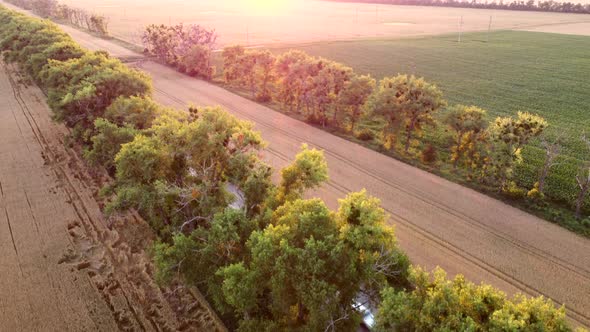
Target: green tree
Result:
[288, 70]
[407, 103]
[231, 55]
[137, 112]
[107, 143]
[318, 97]
[60, 51]
[246, 71]
[438, 304]
[161, 41]
[340, 76]
[295, 268]
[371, 243]
[199, 255]
[304, 271]
[464, 121]
[308, 171]
[528, 315]
[197, 61]
[381, 103]
[196, 162]
[143, 161]
[81, 89]
[294, 70]
[509, 136]
[265, 62]
[354, 96]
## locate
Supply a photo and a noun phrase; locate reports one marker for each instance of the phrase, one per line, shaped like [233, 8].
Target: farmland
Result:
[515, 71]
[255, 22]
[438, 222]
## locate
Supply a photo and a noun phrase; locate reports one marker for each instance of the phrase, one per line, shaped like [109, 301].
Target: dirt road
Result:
[37, 293]
[437, 222]
[63, 267]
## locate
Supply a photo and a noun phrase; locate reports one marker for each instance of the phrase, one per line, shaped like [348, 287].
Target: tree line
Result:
[267, 258]
[331, 95]
[77, 17]
[529, 5]
[187, 48]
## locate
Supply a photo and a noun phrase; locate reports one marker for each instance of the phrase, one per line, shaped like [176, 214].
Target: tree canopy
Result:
[438, 304]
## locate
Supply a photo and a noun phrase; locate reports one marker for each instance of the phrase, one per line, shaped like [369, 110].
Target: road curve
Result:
[437, 222]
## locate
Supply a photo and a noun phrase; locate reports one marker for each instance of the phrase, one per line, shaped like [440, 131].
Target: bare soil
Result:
[263, 22]
[64, 267]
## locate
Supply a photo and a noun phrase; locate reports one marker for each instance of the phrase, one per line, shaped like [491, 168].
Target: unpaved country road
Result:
[37, 293]
[437, 222]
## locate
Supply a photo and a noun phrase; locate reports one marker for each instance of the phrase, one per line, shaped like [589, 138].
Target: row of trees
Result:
[62, 12]
[332, 95]
[188, 48]
[268, 258]
[529, 5]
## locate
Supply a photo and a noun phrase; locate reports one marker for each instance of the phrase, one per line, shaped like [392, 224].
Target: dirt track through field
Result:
[437, 222]
[63, 266]
[37, 293]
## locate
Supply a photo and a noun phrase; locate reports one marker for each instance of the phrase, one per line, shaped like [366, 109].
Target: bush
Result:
[512, 191]
[534, 194]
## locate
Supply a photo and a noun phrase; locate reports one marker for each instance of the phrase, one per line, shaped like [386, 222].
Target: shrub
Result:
[513, 191]
[534, 194]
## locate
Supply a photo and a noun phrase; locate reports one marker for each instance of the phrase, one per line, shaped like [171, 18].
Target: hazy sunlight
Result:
[264, 7]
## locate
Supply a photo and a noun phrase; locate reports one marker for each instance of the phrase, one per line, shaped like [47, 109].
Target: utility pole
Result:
[460, 28]
[247, 36]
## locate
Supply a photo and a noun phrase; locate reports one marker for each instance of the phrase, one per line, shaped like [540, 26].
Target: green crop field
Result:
[547, 74]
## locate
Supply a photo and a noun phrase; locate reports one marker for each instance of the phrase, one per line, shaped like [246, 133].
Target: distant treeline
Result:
[530, 5]
[77, 17]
